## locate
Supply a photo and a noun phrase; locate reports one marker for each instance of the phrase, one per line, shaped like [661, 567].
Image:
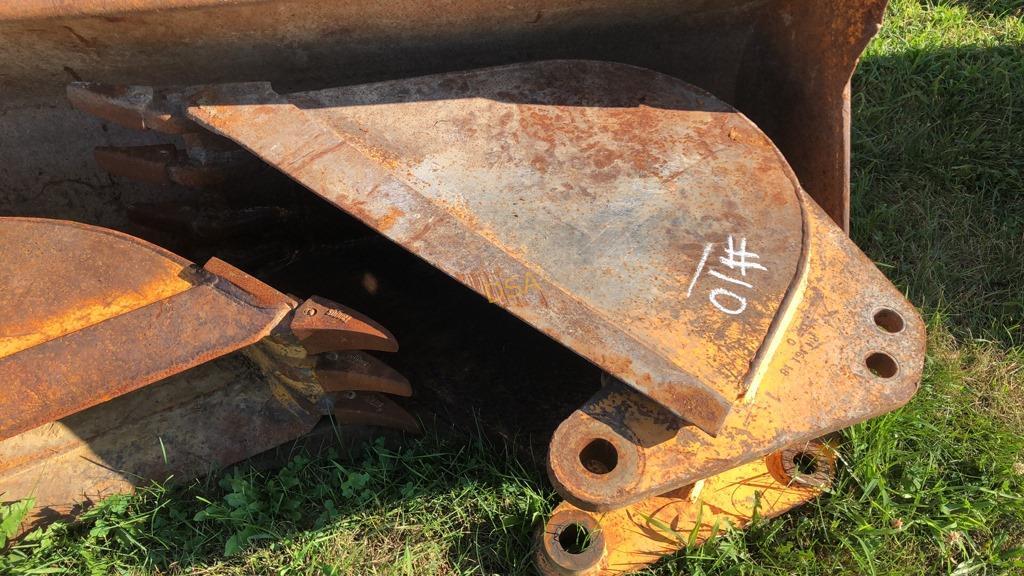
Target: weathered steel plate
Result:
[784, 63]
[88, 314]
[636, 219]
[60, 277]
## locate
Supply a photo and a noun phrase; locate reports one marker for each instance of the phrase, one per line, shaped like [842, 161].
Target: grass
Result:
[934, 488]
[938, 173]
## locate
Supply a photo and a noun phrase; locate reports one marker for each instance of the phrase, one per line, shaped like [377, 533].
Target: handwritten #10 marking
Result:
[736, 260]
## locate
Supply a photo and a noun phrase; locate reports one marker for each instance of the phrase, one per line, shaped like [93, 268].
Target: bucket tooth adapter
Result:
[116, 365]
[637, 220]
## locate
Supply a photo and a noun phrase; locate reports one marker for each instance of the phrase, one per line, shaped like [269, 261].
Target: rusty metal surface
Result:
[323, 326]
[249, 288]
[75, 364]
[784, 63]
[35, 306]
[838, 362]
[804, 54]
[588, 193]
[45, 9]
[631, 538]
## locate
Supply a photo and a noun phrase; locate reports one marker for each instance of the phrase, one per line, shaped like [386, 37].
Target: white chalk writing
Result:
[736, 259]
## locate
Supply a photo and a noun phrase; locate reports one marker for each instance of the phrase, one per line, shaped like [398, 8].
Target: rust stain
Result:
[385, 222]
[746, 137]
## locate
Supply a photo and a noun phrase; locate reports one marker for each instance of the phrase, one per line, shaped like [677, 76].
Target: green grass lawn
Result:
[936, 487]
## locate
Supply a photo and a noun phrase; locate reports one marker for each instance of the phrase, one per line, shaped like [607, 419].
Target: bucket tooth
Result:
[319, 377]
[136, 107]
[147, 164]
[163, 164]
[325, 326]
[208, 160]
[370, 409]
[360, 372]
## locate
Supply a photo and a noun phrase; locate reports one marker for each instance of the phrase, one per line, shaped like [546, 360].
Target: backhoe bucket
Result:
[105, 369]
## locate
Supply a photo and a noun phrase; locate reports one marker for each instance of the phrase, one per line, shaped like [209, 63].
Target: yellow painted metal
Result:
[630, 538]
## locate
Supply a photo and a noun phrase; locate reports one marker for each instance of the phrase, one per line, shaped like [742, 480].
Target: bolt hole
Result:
[889, 320]
[574, 538]
[599, 457]
[881, 365]
[806, 464]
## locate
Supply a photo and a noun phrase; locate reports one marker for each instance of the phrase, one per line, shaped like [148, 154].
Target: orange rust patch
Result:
[388, 220]
[744, 135]
[84, 314]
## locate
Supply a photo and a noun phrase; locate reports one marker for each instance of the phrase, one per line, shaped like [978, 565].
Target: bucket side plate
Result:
[88, 314]
[584, 197]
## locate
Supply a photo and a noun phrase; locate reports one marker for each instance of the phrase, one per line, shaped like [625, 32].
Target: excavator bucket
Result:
[637, 220]
[661, 188]
[104, 373]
